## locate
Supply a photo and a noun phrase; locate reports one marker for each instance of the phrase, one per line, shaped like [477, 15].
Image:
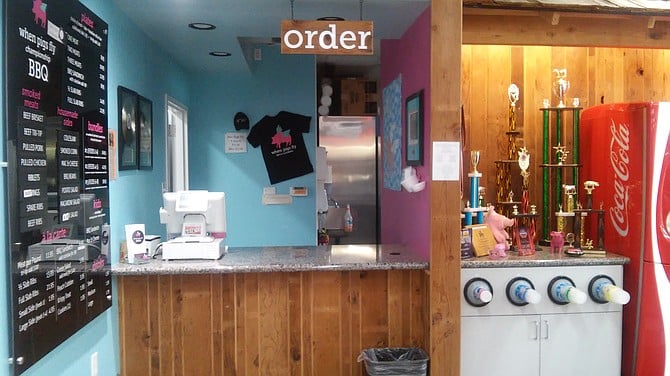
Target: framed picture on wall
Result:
[145, 123]
[414, 129]
[128, 133]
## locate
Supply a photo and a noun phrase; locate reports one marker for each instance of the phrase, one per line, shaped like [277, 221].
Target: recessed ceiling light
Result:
[330, 18]
[201, 26]
[220, 53]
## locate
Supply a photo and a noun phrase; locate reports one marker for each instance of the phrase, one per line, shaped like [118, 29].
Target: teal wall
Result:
[278, 82]
[134, 61]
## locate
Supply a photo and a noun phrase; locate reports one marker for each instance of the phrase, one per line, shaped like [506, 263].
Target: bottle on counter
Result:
[348, 220]
[602, 289]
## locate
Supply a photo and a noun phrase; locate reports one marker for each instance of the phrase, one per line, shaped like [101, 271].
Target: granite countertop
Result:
[543, 258]
[286, 259]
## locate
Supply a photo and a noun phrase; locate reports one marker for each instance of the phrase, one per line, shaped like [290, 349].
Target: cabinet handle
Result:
[546, 329]
[536, 331]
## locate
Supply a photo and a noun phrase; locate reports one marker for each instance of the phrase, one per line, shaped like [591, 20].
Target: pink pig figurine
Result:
[497, 223]
[498, 251]
[556, 241]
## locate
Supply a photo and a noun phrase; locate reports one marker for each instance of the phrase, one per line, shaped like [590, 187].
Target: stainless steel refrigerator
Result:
[352, 156]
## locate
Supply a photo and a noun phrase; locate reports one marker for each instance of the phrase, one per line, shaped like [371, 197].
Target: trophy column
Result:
[524, 235]
[504, 189]
[475, 206]
[556, 170]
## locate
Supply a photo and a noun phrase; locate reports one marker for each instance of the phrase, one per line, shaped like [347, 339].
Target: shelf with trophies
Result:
[582, 244]
[560, 174]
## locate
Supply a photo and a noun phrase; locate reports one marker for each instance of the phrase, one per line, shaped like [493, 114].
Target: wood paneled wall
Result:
[301, 323]
[597, 75]
[445, 125]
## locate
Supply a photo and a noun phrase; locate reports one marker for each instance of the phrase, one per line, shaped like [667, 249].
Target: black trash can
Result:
[395, 361]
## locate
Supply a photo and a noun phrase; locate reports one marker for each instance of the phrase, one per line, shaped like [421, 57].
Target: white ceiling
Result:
[166, 22]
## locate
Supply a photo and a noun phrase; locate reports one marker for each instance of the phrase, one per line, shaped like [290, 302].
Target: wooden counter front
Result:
[267, 323]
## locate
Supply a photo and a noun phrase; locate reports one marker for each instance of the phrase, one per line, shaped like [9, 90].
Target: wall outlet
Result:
[298, 191]
[277, 199]
[94, 364]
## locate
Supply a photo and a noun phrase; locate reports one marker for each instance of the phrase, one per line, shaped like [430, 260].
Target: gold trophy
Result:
[561, 153]
[589, 186]
[513, 94]
[561, 85]
[560, 218]
[570, 192]
[524, 163]
[474, 161]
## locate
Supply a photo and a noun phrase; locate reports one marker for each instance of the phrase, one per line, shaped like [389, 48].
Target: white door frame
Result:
[176, 146]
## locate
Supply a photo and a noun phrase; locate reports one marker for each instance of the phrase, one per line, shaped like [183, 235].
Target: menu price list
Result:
[56, 64]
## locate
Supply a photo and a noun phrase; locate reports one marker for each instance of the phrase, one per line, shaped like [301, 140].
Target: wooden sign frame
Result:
[327, 37]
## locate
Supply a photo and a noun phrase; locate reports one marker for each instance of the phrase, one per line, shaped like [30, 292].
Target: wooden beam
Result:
[596, 31]
[651, 23]
[445, 261]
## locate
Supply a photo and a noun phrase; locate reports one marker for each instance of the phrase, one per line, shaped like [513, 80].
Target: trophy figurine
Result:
[561, 153]
[589, 186]
[513, 94]
[524, 163]
[482, 194]
[561, 85]
[560, 218]
[474, 161]
[570, 192]
[482, 204]
[570, 239]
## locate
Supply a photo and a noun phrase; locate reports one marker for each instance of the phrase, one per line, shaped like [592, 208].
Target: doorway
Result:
[176, 146]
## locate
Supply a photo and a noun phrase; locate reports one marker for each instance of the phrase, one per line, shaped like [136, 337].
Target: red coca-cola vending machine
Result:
[624, 147]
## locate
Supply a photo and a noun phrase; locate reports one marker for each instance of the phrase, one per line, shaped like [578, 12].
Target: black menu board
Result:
[58, 193]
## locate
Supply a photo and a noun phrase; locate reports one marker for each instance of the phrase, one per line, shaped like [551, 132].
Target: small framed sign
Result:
[414, 129]
[128, 154]
[145, 123]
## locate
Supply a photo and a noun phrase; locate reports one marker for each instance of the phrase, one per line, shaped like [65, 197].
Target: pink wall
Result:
[405, 217]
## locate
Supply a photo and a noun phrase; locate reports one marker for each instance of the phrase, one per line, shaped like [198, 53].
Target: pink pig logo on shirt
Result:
[281, 137]
[40, 12]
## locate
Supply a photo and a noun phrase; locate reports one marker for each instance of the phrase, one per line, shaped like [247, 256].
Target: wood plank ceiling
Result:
[633, 7]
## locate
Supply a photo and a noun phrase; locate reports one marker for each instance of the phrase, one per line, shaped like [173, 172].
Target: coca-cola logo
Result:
[619, 146]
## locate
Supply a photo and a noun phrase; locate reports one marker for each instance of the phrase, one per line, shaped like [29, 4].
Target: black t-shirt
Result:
[282, 145]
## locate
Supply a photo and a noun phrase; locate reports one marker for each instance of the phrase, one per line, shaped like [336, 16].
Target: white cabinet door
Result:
[580, 344]
[500, 345]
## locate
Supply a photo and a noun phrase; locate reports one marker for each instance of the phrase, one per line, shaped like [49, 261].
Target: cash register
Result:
[196, 225]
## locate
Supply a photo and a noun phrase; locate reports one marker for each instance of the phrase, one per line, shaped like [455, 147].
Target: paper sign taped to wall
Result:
[236, 142]
[446, 160]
